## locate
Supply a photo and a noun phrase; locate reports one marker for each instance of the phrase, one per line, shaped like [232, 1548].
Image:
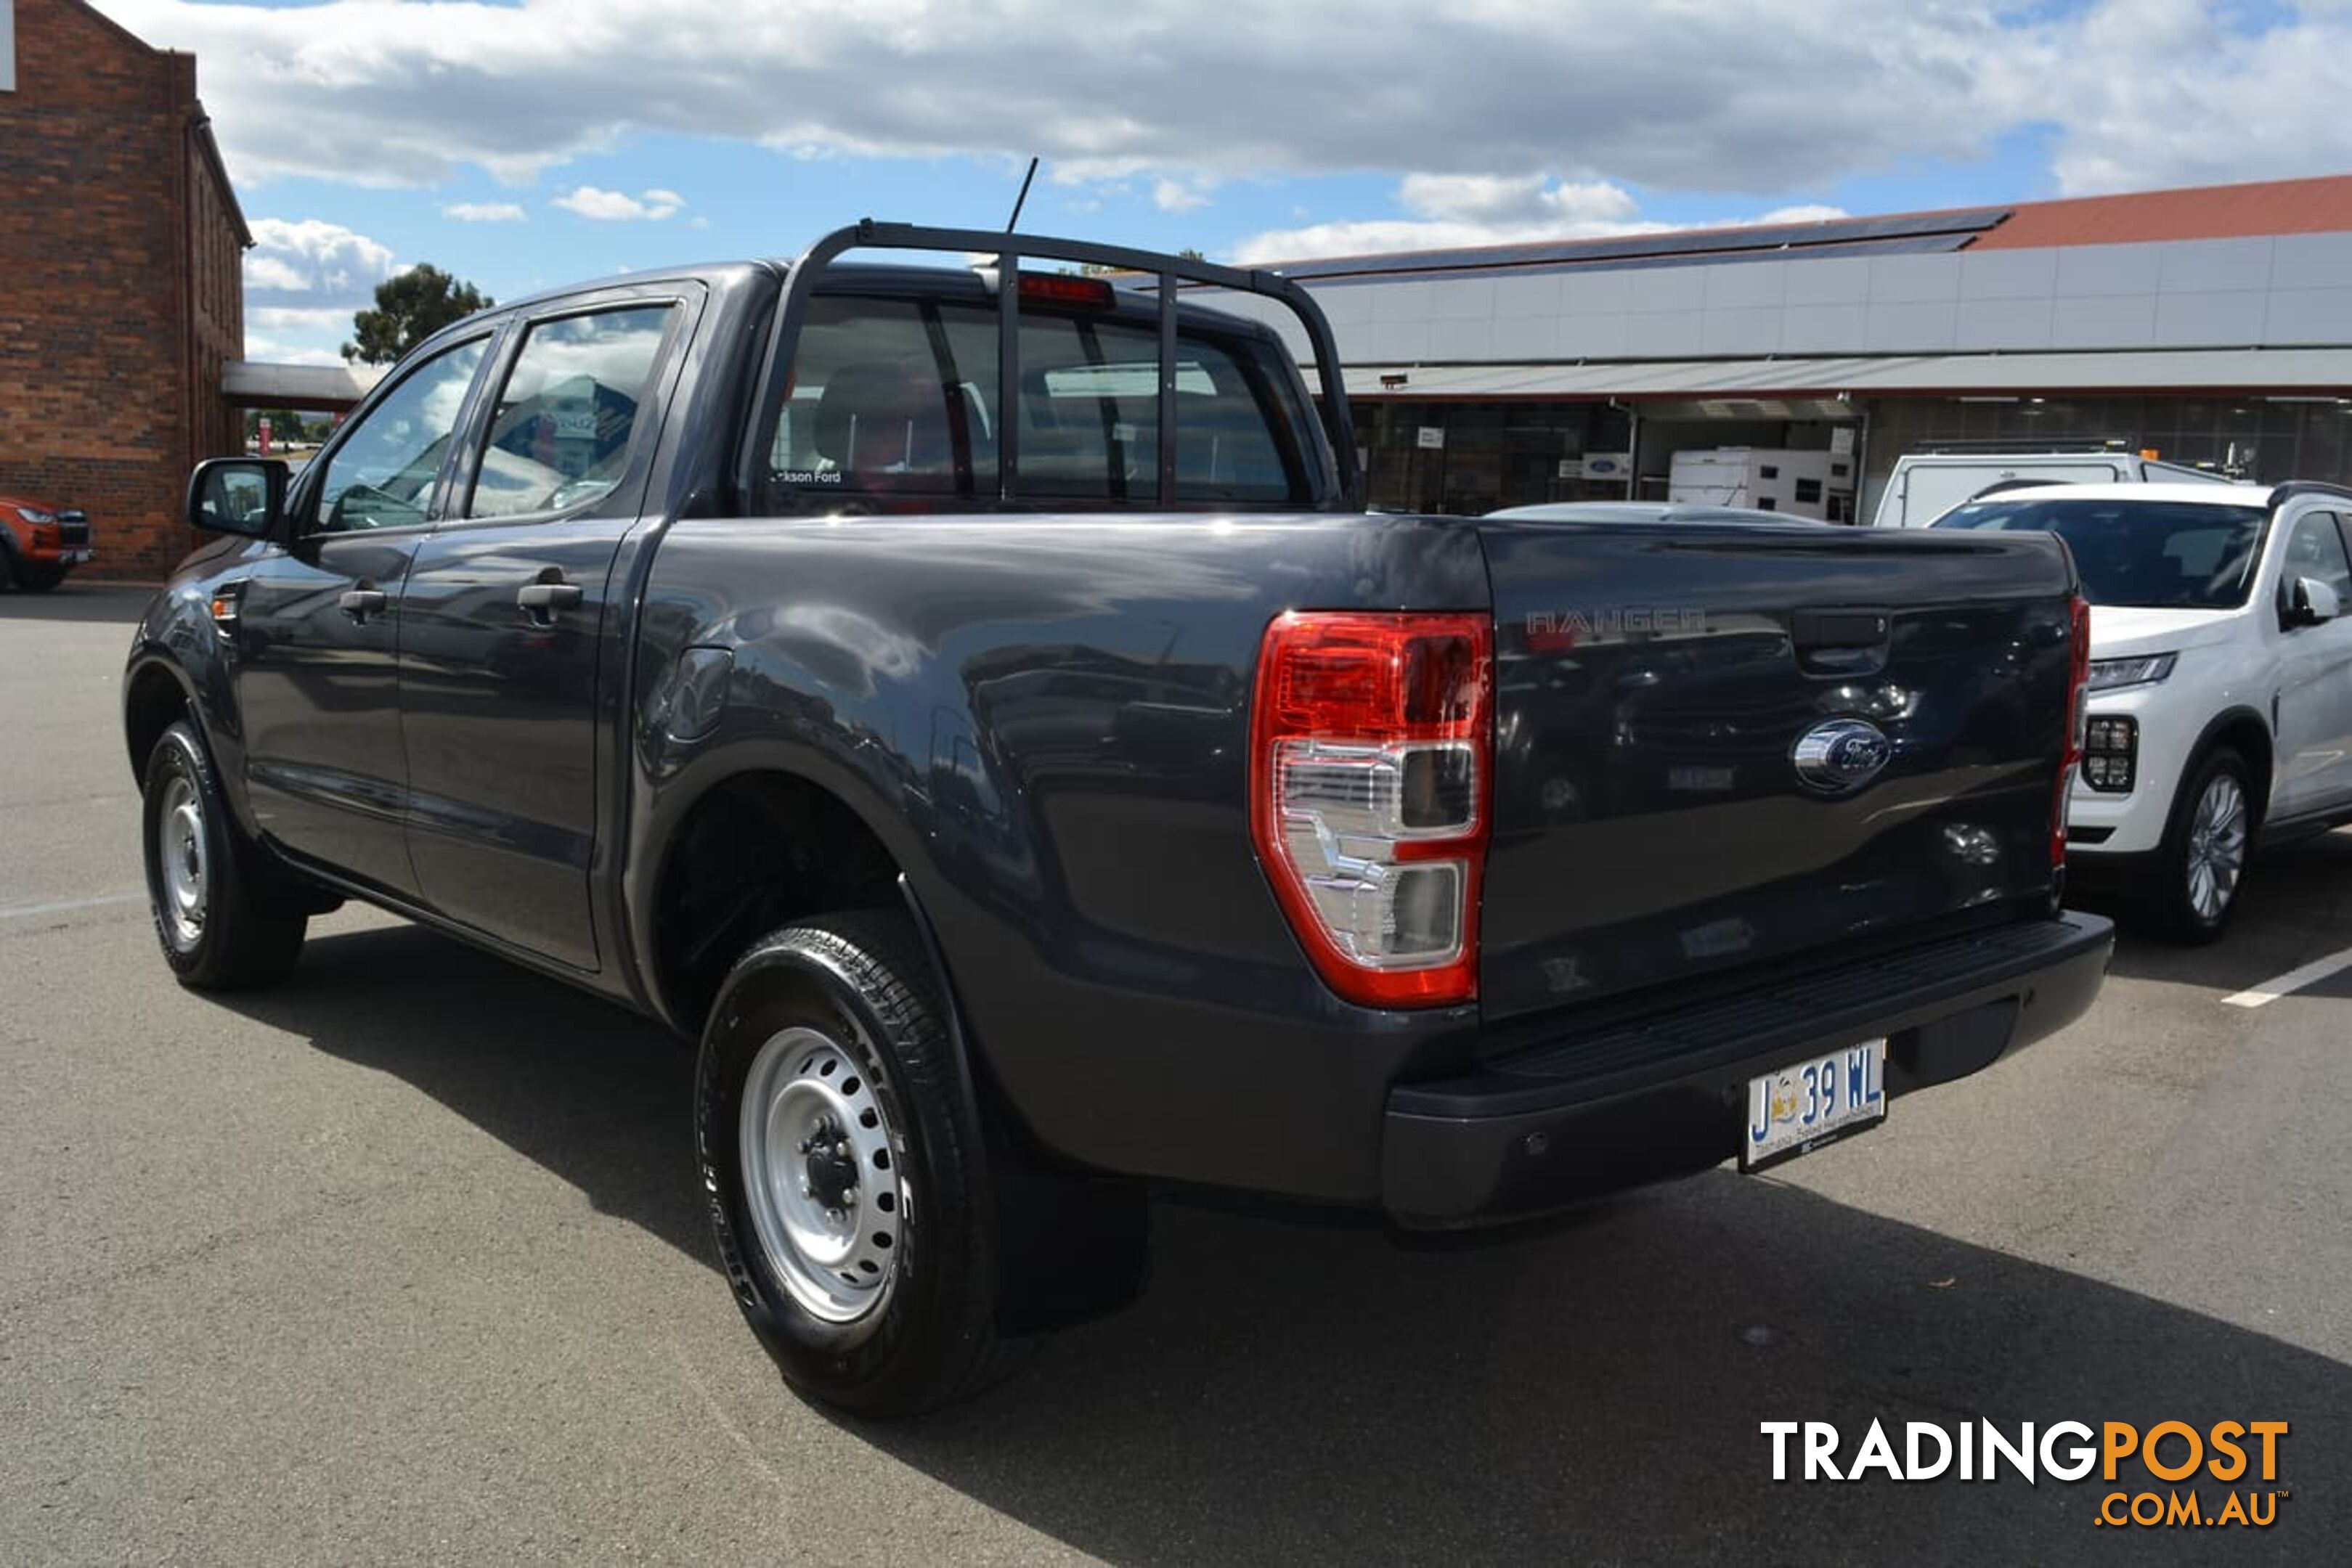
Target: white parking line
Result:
[22, 911]
[2271, 990]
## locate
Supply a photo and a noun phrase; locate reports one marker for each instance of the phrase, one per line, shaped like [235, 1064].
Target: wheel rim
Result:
[2217, 847]
[820, 1177]
[182, 859]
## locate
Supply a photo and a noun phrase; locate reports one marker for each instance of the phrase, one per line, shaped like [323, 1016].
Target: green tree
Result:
[409, 308]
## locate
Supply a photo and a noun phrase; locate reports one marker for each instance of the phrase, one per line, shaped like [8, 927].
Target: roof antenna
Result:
[1020, 200]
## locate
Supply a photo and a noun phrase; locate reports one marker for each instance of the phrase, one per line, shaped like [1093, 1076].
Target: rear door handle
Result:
[358, 603]
[546, 598]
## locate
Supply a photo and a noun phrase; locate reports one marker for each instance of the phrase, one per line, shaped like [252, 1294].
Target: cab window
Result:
[385, 472]
[893, 404]
[568, 415]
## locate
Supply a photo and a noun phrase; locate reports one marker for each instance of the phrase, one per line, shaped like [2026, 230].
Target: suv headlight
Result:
[2140, 670]
[34, 514]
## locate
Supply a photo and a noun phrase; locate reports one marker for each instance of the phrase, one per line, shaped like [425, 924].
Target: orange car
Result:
[40, 543]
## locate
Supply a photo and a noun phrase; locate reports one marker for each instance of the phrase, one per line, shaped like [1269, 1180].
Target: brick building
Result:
[122, 289]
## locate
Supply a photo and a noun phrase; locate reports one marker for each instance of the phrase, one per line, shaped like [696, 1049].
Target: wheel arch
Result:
[2246, 732]
[754, 845]
[155, 695]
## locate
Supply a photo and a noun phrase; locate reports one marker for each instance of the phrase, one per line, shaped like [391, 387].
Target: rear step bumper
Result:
[1573, 1117]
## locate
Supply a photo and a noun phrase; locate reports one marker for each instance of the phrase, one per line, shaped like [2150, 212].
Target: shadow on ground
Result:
[2297, 907]
[1590, 1393]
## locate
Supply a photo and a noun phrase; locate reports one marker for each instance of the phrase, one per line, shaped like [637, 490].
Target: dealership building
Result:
[2211, 326]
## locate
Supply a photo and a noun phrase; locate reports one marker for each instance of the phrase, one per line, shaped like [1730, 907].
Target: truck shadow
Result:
[1290, 1392]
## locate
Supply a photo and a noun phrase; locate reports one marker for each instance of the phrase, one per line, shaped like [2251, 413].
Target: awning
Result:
[2307, 370]
[254, 383]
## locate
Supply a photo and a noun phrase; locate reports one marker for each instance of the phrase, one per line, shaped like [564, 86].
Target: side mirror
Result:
[2311, 602]
[245, 495]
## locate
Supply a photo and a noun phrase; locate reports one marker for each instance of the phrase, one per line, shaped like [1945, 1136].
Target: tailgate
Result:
[1724, 744]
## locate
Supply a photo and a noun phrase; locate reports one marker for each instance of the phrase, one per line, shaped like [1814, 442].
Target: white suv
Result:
[2220, 699]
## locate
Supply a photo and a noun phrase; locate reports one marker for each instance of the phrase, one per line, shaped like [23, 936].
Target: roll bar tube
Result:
[1011, 249]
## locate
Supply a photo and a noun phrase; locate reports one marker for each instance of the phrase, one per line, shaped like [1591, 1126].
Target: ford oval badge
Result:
[1841, 755]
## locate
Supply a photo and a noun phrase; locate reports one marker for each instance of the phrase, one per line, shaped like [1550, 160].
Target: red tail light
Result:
[1372, 761]
[2078, 685]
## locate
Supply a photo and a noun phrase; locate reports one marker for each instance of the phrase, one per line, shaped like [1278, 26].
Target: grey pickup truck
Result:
[973, 704]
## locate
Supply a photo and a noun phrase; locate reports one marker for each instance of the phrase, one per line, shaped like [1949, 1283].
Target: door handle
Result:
[358, 603]
[544, 599]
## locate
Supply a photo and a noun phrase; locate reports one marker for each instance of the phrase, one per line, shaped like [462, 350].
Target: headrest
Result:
[873, 394]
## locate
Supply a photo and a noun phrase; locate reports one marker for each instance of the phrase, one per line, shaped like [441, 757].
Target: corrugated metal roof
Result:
[2247, 369]
[2321, 205]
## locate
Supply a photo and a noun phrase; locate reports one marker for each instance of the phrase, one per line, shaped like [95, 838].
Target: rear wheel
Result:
[2191, 891]
[841, 1146]
[220, 923]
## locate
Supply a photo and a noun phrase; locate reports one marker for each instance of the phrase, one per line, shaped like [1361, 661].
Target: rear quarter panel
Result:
[1045, 721]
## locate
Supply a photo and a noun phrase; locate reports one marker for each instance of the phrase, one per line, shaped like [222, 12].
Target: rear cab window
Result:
[893, 405]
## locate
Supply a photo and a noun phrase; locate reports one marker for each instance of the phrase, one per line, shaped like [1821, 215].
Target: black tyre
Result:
[38, 578]
[221, 925]
[2190, 890]
[841, 1150]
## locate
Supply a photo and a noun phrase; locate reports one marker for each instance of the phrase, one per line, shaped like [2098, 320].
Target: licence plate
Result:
[74, 557]
[1798, 1109]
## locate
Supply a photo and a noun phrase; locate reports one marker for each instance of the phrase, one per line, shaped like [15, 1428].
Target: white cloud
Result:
[1177, 197]
[1742, 96]
[619, 207]
[485, 212]
[1453, 212]
[314, 265]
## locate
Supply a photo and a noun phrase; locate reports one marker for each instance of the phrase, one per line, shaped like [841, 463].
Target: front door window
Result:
[383, 472]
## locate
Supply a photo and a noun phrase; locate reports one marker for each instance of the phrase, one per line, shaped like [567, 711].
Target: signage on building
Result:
[1608, 465]
[1431, 436]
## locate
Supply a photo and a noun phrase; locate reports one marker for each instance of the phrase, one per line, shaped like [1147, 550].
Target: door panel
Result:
[316, 688]
[499, 719]
[319, 625]
[502, 630]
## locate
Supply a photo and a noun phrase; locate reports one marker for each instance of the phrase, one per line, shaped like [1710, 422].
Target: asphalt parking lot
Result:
[403, 1261]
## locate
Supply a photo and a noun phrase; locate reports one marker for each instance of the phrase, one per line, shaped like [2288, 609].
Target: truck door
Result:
[317, 626]
[504, 652]
[2314, 717]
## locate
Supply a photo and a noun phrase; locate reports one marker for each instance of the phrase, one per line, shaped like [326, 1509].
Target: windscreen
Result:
[2174, 555]
[895, 404]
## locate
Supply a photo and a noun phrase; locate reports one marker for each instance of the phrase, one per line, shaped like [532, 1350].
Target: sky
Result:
[530, 144]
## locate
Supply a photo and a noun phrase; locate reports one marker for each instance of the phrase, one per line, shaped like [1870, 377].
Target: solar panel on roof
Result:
[1718, 245]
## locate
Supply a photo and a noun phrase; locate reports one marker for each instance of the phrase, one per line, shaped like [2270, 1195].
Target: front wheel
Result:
[221, 925]
[38, 578]
[2191, 891]
[841, 1149]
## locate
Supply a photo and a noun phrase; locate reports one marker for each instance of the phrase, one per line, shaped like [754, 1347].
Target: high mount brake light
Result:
[1371, 769]
[2078, 683]
[1061, 289]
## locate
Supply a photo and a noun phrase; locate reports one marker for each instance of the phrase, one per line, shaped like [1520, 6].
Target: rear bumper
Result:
[1665, 1094]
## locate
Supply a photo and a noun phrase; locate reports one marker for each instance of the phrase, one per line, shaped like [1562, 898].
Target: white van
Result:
[1926, 485]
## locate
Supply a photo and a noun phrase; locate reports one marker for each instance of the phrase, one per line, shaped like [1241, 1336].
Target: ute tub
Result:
[1664, 1092]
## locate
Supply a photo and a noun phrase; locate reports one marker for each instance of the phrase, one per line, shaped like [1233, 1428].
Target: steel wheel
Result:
[2217, 846]
[181, 856]
[821, 1176]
